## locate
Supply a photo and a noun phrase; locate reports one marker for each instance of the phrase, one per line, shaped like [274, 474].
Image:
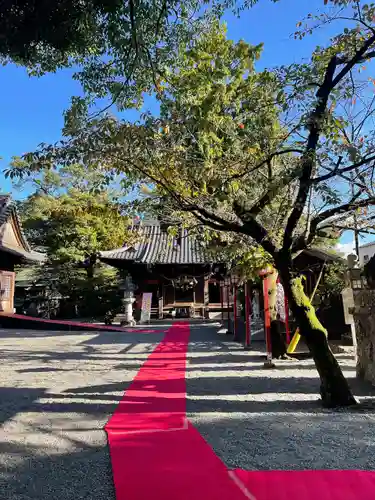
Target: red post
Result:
[247, 314]
[235, 312]
[287, 330]
[267, 320]
[228, 308]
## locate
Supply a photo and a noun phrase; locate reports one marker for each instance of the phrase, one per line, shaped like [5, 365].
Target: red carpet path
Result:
[157, 454]
[23, 321]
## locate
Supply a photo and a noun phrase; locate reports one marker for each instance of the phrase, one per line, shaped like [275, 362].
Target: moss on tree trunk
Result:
[334, 388]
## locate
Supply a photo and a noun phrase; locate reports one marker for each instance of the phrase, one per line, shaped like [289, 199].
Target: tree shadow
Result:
[82, 473]
[16, 399]
[42, 369]
[139, 337]
[227, 357]
[272, 441]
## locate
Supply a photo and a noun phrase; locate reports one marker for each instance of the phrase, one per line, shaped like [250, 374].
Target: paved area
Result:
[260, 419]
[57, 390]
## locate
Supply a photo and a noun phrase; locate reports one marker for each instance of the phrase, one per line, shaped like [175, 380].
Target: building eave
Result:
[30, 256]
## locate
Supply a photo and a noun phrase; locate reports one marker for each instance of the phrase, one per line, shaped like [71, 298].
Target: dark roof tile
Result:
[156, 246]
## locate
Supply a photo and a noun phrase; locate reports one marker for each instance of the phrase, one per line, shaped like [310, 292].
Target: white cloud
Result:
[346, 248]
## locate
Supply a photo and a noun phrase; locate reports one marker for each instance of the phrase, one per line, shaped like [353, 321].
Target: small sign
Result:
[146, 307]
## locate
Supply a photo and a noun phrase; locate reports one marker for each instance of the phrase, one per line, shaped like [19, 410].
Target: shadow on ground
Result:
[272, 419]
[81, 474]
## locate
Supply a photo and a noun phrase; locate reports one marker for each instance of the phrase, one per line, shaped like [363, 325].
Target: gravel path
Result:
[269, 419]
[57, 391]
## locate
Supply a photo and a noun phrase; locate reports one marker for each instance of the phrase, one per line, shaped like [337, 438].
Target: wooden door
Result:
[7, 279]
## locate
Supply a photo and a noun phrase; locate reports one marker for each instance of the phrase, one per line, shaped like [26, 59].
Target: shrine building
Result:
[183, 275]
[180, 272]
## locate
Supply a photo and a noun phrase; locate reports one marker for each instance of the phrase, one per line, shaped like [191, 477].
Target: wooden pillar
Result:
[247, 314]
[206, 299]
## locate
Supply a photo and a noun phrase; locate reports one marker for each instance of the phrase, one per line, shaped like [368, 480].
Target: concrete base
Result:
[123, 319]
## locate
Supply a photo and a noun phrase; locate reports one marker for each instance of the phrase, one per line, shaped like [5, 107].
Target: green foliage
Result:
[47, 33]
[262, 156]
[333, 281]
[59, 180]
[73, 225]
[119, 49]
[72, 220]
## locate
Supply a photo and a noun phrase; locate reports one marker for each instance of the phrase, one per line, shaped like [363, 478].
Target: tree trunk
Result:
[278, 344]
[334, 388]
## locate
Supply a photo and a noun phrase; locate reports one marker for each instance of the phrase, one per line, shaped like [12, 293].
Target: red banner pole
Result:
[247, 314]
[235, 312]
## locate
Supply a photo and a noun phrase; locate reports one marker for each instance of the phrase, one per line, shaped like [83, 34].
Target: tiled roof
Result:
[156, 246]
[324, 254]
[7, 209]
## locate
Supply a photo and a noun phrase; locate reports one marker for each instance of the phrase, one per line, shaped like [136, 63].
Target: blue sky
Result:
[31, 108]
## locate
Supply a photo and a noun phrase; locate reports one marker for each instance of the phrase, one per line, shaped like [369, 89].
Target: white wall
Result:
[366, 252]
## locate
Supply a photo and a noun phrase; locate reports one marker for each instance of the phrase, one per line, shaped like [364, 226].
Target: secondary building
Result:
[14, 251]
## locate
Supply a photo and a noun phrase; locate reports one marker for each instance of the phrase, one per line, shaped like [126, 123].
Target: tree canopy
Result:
[119, 49]
[72, 220]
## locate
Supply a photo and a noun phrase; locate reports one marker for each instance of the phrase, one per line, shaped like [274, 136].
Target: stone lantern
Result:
[128, 287]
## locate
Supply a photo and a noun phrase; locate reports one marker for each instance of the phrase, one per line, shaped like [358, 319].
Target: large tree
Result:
[286, 139]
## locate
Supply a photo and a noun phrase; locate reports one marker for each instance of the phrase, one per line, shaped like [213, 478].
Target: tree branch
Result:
[351, 206]
[254, 229]
[264, 162]
[337, 172]
[309, 158]
[358, 56]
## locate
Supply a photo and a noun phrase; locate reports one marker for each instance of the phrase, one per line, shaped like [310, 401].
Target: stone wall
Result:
[364, 318]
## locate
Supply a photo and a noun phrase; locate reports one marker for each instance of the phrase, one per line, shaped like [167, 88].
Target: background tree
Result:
[72, 219]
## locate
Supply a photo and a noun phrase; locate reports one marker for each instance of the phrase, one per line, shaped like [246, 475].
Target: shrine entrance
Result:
[184, 295]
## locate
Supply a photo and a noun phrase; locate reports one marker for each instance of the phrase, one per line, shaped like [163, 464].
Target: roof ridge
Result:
[10, 208]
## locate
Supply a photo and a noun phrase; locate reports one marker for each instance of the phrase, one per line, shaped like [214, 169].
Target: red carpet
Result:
[156, 399]
[309, 484]
[23, 319]
[175, 465]
[157, 455]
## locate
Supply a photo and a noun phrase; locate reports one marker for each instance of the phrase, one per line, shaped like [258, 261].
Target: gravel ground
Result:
[270, 419]
[57, 391]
